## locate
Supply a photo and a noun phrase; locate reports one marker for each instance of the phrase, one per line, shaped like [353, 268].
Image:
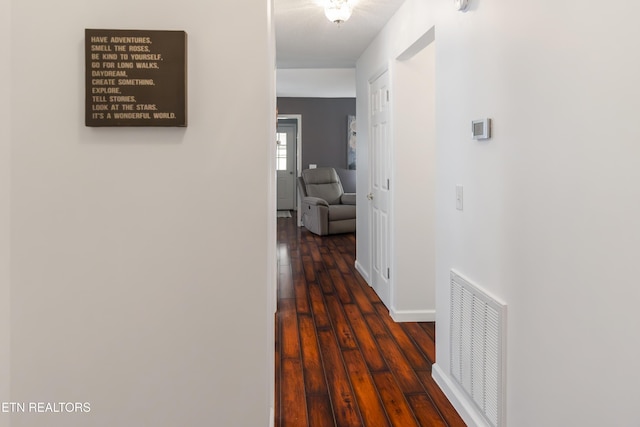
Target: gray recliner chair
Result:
[326, 208]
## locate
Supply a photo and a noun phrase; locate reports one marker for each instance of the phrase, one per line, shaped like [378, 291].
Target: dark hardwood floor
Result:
[340, 359]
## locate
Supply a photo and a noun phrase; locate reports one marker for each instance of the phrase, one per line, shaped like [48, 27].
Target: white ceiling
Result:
[306, 39]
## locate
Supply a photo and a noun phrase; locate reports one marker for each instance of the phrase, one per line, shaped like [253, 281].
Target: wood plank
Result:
[328, 260]
[416, 359]
[368, 345]
[301, 295]
[340, 286]
[341, 326]
[297, 269]
[424, 411]
[371, 294]
[352, 238]
[325, 282]
[313, 373]
[376, 325]
[446, 409]
[405, 376]
[289, 338]
[343, 401]
[359, 295]
[292, 395]
[285, 282]
[283, 254]
[430, 329]
[319, 310]
[296, 264]
[309, 269]
[320, 411]
[371, 408]
[349, 259]
[397, 408]
[340, 263]
[422, 340]
[282, 232]
[320, 271]
[315, 252]
[304, 246]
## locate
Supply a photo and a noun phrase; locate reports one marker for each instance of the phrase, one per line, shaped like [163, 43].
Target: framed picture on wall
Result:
[351, 142]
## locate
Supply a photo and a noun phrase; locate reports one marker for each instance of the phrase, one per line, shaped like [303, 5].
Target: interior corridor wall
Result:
[129, 246]
[413, 264]
[5, 176]
[550, 220]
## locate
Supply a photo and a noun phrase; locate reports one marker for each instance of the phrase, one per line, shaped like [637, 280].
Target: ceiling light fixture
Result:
[337, 11]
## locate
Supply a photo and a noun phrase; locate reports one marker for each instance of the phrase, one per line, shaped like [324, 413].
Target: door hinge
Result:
[388, 184]
[388, 273]
[387, 96]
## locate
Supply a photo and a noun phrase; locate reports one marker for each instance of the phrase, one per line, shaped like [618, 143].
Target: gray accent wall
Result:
[324, 128]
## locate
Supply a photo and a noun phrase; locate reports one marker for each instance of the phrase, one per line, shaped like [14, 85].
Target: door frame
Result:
[298, 162]
[286, 178]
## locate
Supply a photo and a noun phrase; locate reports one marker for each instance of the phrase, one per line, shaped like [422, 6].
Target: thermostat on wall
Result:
[481, 129]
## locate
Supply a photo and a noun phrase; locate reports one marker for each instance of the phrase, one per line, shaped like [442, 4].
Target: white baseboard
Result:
[272, 417]
[362, 272]
[466, 409]
[413, 315]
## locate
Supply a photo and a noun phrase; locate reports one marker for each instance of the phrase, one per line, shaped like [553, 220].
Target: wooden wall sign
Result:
[135, 78]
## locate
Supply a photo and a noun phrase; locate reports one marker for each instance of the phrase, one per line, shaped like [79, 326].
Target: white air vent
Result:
[477, 345]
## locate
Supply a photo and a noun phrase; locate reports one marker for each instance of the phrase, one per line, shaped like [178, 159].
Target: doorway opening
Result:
[288, 162]
[413, 165]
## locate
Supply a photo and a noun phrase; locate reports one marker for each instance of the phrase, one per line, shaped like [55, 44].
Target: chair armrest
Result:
[315, 201]
[315, 215]
[348, 199]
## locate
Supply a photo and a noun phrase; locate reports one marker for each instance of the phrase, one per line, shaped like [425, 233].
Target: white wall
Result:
[550, 223]
[5, 152]
[413, 183]
[316, 83]
[130, 288]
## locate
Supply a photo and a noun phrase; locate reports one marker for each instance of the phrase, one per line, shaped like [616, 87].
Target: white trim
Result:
[423, 41]
[413, 315]
[271, 240]
[380, 71]
[363, 273]
[272, 417]
[465, 409]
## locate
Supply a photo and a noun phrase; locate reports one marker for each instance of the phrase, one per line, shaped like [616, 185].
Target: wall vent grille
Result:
[477, 347]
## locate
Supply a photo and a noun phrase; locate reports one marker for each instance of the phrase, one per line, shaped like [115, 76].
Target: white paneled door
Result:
[379, 195]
